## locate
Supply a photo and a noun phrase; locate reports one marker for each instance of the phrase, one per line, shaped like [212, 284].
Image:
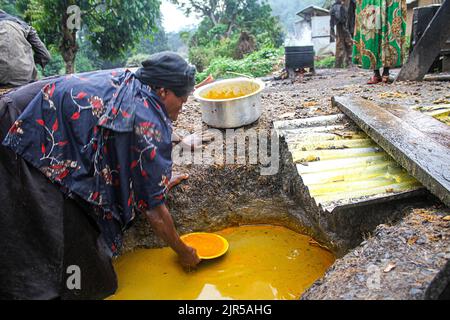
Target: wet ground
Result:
[408, 260]
[311, 96]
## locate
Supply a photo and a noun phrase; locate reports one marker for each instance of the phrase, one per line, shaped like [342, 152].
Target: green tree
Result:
[10, 7]
[153, 43]
[111, 27]
[221, 18]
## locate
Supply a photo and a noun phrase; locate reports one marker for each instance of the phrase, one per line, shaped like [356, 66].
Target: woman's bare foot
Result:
[375, 80]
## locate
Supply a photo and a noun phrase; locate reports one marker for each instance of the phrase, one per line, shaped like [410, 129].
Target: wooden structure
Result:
[428, 47]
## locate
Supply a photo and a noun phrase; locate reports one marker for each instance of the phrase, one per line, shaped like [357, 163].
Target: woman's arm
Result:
[162, 224]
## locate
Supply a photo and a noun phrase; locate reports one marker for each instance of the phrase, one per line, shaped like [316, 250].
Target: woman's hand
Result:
[163, 226]
[189, 259]
[177, 179]
[195, 141]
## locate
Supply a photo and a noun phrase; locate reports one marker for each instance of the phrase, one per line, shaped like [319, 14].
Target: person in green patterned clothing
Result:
[380, 40]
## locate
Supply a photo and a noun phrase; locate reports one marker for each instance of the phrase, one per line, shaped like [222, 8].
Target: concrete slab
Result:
[419, 143]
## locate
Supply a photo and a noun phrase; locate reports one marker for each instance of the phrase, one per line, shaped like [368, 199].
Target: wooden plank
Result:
[428, 47]
[444, 76]
[419, 153]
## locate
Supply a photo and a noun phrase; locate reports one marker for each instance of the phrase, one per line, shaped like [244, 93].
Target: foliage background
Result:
[212, 47]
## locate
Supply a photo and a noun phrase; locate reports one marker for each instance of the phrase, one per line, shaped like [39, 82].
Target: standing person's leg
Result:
[393, 36]
[340, 47]
[386, 75]
[376, 78]
[348, 49]
[368, 38]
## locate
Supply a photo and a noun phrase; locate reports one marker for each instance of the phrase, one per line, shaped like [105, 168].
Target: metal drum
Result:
[299, 57]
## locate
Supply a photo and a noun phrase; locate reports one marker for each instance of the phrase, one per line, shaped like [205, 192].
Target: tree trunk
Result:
[70, 66]
[213, 19]
[68, 47]
[230, 29]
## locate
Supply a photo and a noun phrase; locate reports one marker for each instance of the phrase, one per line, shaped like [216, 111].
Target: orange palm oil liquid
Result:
[263, 263]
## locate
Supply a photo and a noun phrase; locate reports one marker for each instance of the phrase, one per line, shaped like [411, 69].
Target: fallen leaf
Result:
[435, 238]
[446, 218]
[413, 240]
[389, 268]
[310, 104]
[441, 101]
[287, 115]
[393, 95]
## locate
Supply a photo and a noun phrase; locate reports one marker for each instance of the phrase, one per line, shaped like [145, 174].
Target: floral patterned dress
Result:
[380, 33]
[105, 138]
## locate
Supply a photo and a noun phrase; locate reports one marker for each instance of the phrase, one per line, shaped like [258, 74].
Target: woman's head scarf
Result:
[170, 71]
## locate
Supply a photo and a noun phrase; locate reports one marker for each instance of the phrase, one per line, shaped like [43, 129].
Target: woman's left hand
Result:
[177, 179]
[196, 141]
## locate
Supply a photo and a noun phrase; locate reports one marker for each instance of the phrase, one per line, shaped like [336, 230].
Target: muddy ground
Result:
[311, 96]
[408, 260]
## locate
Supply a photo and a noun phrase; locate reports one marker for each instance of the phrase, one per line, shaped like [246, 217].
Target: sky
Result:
[174, 19]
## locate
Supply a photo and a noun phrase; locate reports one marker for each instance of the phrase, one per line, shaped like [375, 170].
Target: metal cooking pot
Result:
[221, 109]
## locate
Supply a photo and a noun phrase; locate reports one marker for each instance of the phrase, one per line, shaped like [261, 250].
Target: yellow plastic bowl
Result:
[208, 245]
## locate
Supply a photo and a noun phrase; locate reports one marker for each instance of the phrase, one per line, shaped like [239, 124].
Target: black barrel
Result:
[299, 57]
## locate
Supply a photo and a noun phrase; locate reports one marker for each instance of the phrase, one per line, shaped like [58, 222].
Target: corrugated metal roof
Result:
[313, 9]
[340, 164]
